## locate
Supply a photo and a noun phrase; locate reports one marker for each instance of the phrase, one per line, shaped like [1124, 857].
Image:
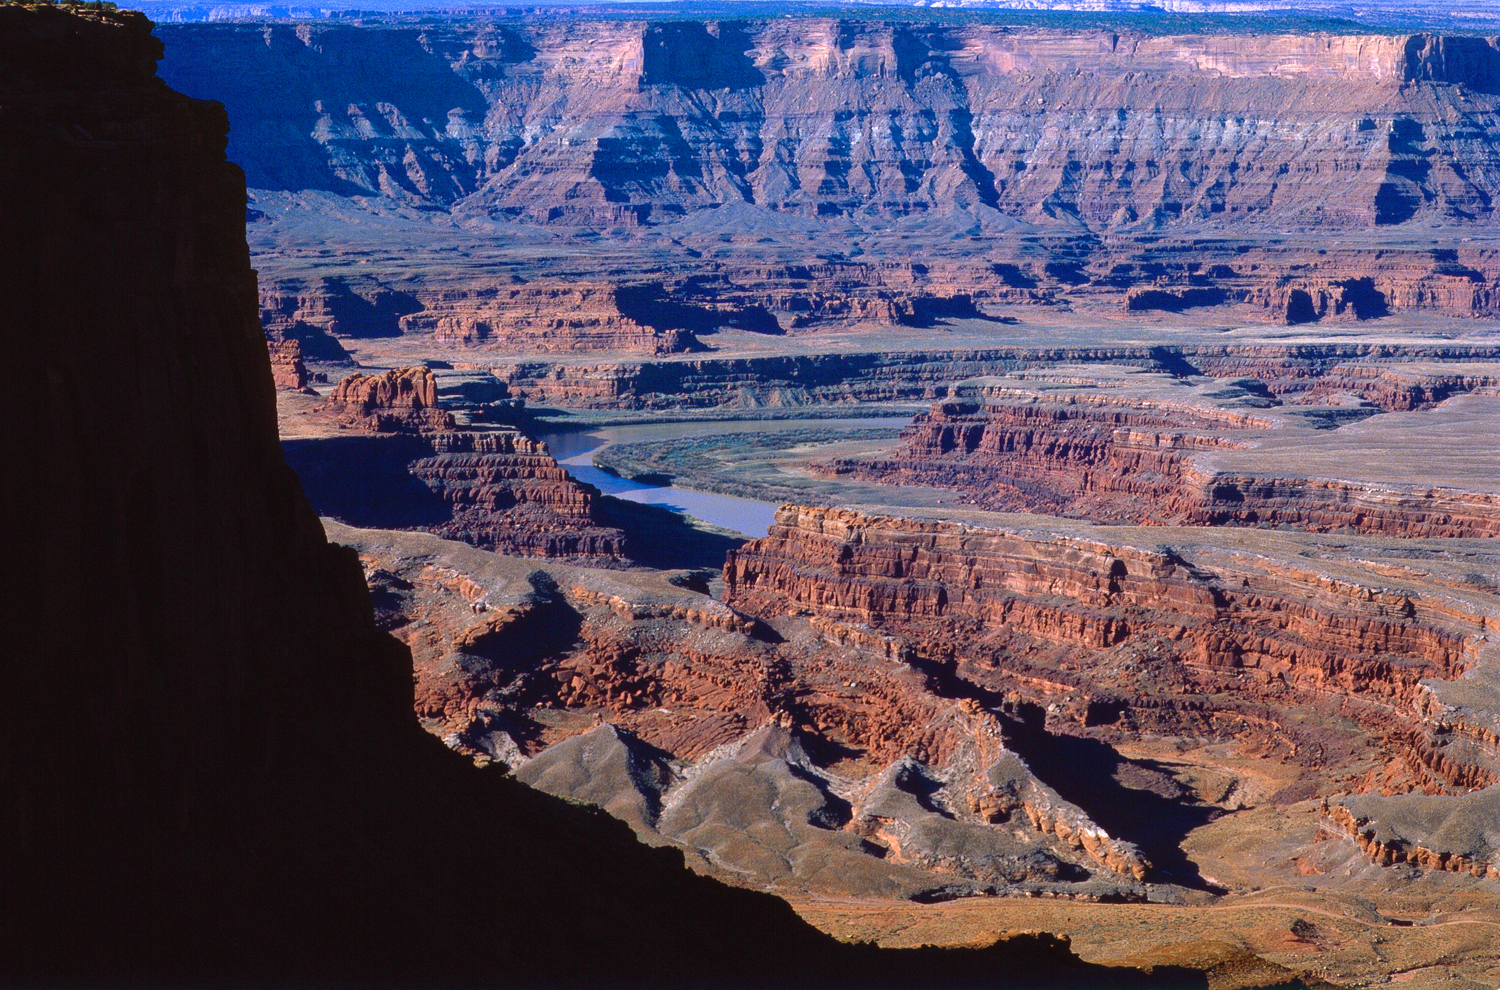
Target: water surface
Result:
[575, 451]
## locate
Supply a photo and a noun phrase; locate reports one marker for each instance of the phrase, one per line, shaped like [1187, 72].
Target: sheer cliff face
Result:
[624, 121]
[1122, 460]
[149, 440]
[1255, 631]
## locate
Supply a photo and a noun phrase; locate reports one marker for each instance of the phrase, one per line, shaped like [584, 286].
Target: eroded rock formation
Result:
[1393, 376]
[287, 368]
[711, 720]
[946, 111]
[1113, 631]
[397, 400]
[549, 315]
[506, 491]
[1303, 177]
[1151, 457]
[1449, 834]
[906, 664]
[497, 489]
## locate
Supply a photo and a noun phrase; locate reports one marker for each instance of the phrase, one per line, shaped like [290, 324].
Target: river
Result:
[575, 451]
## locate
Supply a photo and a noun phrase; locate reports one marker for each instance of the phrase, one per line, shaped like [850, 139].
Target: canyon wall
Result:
[809, 763]
[1393, 375]
[211, 773]
[1108, 627]
[1082, 592]
[1153, 462]
[620, 121]
[500, 490]
[772, 174]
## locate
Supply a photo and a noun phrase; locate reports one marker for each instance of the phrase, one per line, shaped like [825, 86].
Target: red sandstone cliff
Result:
[508, 494]
[1110, 630]
[287, 367]
[496, 489]
[520, 663]
[1145, 461]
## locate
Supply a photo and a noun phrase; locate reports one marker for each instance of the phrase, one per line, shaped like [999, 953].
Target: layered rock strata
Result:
[1202, 636]
[1304, 177]
[506, 491]
[557, 309]
[497, 489]
[1448, 834]
[1392, 376]
[398, 400]
[956, 112]
[287, 368]
[1144, 460]
[791, 761]
[647, 314]
[562, 314]
[906, 665]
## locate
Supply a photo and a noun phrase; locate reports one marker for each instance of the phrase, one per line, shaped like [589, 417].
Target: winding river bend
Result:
[575, 451]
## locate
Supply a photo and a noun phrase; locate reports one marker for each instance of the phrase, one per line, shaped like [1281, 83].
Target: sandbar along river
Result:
[575, 451]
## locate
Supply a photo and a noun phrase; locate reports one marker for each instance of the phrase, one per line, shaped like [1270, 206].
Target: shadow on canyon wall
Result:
[662, 538]
[1156, 815]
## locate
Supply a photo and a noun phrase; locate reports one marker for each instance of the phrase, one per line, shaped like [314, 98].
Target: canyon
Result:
[989, 690]
[213, 774]
[1096, 621]
[1146, 637]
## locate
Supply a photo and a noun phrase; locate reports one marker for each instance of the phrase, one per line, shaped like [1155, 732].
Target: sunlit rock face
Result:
[622, 185]
[624, 120]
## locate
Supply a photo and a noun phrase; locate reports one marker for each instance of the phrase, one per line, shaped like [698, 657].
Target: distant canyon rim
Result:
[1163, 612]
